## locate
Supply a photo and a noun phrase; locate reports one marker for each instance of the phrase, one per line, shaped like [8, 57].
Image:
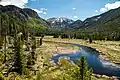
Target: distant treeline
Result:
[75, 34]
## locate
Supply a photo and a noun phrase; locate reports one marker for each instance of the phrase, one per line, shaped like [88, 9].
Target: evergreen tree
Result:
[19, 59]
[84, 72]
[90, 40]
[33, 49]
[29, 60]
[41, 40]
[4, 29]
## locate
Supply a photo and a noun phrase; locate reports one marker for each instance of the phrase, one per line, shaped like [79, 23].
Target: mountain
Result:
[11, 9]
[23, 14]
[76, 24]
[14, 19]
[108, 21]
[105, 26]
[32, 13]
[60, 22]
[105, 22]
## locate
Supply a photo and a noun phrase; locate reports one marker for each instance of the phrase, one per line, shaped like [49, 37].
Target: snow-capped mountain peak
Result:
[60, 21]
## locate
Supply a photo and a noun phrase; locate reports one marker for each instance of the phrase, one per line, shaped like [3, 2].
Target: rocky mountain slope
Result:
[76, 24]
[60, 22]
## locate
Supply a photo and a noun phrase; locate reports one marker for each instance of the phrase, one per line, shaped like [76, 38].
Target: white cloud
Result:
[74, 8]
[44, 12]
[113, 5]
[76, 17]
[19, 3]
[38, 11]
[110, 6]
[96, 11]
[43, 9]
[103, 10]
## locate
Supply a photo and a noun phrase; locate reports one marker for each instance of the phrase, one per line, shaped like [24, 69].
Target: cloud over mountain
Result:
[19, 3]
[22, 4]
[110, 6]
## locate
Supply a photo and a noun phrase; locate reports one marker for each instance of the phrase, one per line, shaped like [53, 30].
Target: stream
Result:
[98, 65]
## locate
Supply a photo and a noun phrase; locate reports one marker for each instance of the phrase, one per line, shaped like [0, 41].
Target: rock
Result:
[105, 76]
[114, 78]
[96, 75]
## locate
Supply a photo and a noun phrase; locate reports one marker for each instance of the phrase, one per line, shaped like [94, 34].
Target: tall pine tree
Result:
[84, 72]
[19, 59]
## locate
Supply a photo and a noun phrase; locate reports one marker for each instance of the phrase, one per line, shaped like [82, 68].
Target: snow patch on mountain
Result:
[60, 21]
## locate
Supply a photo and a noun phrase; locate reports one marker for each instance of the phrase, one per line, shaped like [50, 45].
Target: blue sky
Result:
[73, 9]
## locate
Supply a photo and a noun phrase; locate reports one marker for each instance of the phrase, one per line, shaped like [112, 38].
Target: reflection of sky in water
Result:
[98, 65]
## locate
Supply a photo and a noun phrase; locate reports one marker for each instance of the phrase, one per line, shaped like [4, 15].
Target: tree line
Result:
[80, 34]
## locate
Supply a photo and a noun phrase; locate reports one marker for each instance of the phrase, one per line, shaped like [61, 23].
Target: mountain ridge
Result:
[96, 23]
[59, 22]
[24, 13]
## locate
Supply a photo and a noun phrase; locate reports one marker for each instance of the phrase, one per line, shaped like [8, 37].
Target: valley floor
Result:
[48, 49]
[46, 69]
[109, 50]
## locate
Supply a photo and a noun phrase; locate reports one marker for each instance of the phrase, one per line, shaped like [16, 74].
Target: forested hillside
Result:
[21, 20]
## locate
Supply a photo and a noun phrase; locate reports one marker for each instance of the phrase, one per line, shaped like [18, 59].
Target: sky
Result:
[73, 9]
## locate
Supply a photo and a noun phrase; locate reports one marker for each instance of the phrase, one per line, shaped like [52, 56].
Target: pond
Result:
[98, 65]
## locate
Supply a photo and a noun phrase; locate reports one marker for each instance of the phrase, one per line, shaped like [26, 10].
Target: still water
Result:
[98, 65]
